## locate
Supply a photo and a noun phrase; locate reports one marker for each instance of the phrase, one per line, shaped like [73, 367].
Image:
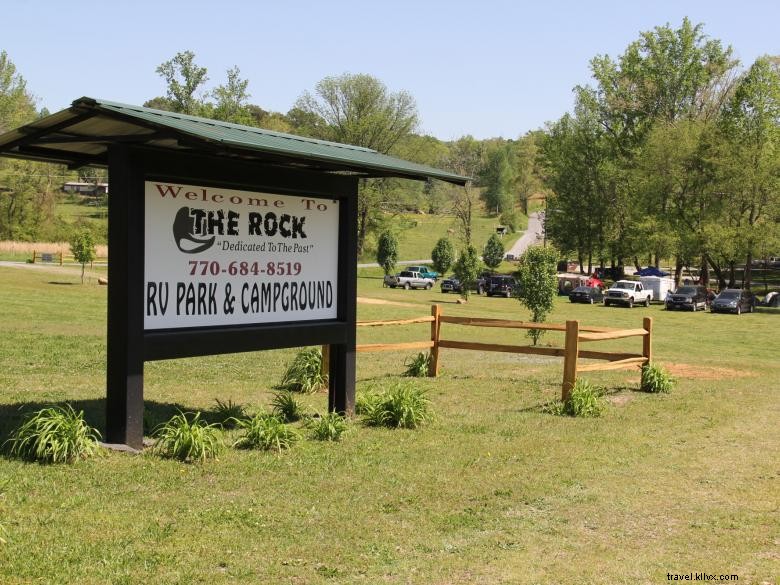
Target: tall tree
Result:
[183, 79]
[497, 179]
[359, 110]
[493, 253]
[230, 99]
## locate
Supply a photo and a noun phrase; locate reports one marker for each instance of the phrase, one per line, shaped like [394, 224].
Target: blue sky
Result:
[488, 68]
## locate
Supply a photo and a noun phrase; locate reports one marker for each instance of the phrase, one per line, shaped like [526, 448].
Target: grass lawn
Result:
[493, 491]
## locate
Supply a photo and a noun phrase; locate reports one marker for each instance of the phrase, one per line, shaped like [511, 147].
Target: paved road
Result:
[532, 235]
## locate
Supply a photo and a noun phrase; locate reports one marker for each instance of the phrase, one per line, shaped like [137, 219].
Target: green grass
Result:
[493, 490]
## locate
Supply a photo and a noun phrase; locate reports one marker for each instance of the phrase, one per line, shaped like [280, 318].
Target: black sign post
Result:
[130, 345]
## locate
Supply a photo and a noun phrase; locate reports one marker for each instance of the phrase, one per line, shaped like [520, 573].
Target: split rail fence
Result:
[571, 352]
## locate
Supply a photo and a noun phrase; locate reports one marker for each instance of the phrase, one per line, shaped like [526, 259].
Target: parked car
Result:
[500, 286]
[629, 293]
[691, 297]
[407, 280]
[586, 294]
[424, 271]
[733, 300]
[453, 284]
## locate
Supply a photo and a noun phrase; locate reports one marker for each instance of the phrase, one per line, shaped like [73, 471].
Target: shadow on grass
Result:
[155, 413]
[62, 283]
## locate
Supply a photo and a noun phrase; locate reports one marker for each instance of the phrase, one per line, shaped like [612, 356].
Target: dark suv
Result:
[687, 297]
[500, 286]
[733, 300]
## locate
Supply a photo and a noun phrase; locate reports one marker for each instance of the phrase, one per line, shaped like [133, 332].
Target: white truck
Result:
[407, 280]
[629, 293]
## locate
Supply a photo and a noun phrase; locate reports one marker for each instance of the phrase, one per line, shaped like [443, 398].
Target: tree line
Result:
[672, 153]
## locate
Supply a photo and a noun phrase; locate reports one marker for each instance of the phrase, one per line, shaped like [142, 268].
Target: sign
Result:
[220, 257]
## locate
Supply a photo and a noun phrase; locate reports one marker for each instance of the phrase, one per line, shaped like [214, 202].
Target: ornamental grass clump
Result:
[228, 413]
[57, 434]
[305, 372]
[286, 406]
[187, 440]
[266, 432]
[329, 427]
[417, 366]
[584, 401]
[405, 405]
[655, 379]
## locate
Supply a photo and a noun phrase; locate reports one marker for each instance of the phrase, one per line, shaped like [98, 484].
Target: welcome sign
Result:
[217, 257]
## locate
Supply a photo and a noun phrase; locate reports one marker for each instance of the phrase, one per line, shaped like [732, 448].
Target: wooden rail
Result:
[571, 352]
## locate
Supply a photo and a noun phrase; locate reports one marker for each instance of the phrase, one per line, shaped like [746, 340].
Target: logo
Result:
[185, 230]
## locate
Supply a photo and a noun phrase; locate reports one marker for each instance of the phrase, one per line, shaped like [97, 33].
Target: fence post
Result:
[647, 340]
[325, 365]
[433, 364]
[60, 258]
[33, 257]
[570, 358]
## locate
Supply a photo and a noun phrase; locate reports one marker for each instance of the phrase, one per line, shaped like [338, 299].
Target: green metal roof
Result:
[81, 135]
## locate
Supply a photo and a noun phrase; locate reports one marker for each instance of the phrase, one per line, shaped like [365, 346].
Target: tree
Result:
[493, 254]
[387, 252]
[442, 255]
[16, 104]
[467, 269]
[183, 78]
[231, 100]
[538, 284]
[465, 159]
[497, 178]
[358, 110]
[82, 246]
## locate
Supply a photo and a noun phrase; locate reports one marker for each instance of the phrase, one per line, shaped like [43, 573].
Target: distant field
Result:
[493, 491]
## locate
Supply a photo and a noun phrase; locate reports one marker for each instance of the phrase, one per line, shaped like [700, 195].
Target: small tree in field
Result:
[493, 253]
[387, 252]
[442, 255]
[538, 284]
[467, 270]
[82, 246]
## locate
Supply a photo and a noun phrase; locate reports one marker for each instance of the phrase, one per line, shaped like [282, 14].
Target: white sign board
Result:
[224, 257]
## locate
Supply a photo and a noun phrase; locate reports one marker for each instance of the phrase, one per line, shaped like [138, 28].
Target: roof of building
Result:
[81, 135]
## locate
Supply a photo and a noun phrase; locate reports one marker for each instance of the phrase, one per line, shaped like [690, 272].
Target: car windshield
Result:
[624, 285]
[729, 294]
[407, 274]
[582, 289]
[686, 290]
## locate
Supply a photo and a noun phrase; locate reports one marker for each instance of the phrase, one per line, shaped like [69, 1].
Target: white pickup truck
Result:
[629, 293]
[407, 280]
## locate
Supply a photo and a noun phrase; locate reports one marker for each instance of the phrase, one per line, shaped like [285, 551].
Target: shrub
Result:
[286, 406]
[366, 401]
[467, 269]
[228, 413]
[54, 435]
[405, 405]
[329, 427]
[387, 252]
[267, 432]
[442, 256]
[417, 366]
[656, 379]
[305, 372]
[584, 400]
[493, 252]
[187, 440]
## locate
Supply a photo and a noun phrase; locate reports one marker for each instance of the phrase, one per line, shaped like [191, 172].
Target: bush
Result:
[417, 366]
[329, 427]
[656, 379]
[305, 372]
[493, 252]
[584, 400]
[54, 435]
[228, 413]
[366, 401]
[186, 440]
[387, 252]
[286, 406]
[267, 432]
[405, 405]
[442, 256]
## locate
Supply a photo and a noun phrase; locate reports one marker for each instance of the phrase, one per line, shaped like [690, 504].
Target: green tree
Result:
[231, 99]
[359, 110]
[497, 179]
[467, 269]
[465, 159]
[538, 284]
[16, 104]
[82, 246]
[442, 255]
[493, 254]
[387, 252]
[183, 79]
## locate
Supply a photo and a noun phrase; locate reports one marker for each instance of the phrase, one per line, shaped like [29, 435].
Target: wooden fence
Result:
[571, 352]
[59, 257]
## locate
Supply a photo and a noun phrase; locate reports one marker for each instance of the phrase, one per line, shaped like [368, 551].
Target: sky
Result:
[486, 68]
